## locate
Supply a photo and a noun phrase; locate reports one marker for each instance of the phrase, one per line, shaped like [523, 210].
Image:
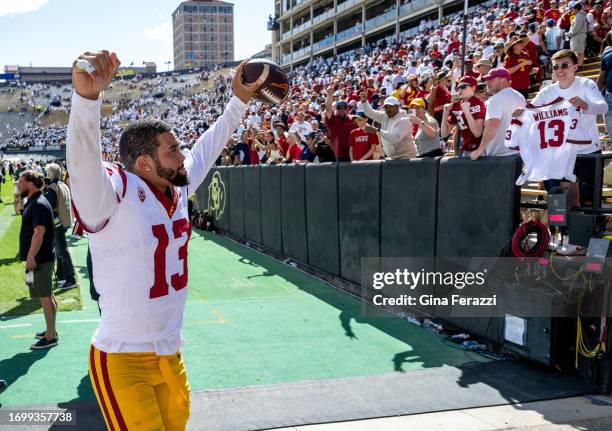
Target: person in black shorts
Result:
[37, 250]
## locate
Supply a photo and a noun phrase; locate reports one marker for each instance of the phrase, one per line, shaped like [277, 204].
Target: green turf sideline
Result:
[14, 295]
[249, 320]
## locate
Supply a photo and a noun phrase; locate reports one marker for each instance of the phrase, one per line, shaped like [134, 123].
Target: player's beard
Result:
[175, 177]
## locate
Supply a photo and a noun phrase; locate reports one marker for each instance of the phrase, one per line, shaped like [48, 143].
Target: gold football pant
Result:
[140, 391]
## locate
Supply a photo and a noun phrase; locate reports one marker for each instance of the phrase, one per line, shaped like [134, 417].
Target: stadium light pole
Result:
[168, 64]
[464, 38]
[457, 140]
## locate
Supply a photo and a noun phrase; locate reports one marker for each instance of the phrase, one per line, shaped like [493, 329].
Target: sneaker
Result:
[68, 285]
[44, 344]
[60, 282]
[41, 335]
[571, 250]
[3, 385]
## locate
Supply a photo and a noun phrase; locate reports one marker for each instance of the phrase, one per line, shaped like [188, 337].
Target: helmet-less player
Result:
[139, 233]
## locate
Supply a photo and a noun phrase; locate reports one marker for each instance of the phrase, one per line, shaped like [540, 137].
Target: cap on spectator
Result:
[282, 125]
[236, 137]
[418, 102]
[483, 62]
[359, 115]
[577, 5]
[391, 101]
[498, 72]
[550, 22]
[469, 80]
[469, 61]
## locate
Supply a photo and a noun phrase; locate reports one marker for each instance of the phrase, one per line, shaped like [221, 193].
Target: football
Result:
[275, 86]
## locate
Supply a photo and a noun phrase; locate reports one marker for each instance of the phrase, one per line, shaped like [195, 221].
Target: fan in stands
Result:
[275, 87]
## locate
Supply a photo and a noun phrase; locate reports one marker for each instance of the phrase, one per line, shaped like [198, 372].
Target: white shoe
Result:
[571, 250]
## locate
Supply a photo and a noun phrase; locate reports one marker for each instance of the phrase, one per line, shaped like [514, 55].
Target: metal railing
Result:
[347, 4]
[381, 19]
[302, 27]
[349, 32]
[301, 53]
[320, 18]
[329, 40]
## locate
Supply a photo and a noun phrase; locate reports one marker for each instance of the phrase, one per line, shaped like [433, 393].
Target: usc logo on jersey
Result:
[141, 194]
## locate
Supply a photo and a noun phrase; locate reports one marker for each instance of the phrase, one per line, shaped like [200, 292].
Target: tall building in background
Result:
[203, 33]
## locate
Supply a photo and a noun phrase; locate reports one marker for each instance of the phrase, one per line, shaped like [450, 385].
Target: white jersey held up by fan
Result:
[549, 138]
[581, 92]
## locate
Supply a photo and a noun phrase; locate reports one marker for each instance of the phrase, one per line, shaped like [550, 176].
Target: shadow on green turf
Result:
[12, 369]
[350, 309]
[27, 306]
[84, 392]
[9, 260]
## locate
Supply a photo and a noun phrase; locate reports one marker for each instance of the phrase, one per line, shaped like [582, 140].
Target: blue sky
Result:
[54, 32]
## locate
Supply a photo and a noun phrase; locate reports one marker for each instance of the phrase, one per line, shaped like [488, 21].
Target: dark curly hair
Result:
[34, 177]
[140, 138]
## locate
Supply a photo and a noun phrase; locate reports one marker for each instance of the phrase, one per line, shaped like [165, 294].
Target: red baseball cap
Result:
[498, 72]
[469, 80]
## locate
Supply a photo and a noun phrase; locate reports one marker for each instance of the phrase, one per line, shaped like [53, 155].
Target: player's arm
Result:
[204, 153]
[92, 190]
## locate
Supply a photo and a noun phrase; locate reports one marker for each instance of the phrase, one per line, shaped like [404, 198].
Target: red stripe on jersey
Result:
[574, 141]
[554, 102]
[92, 365]
[111, 394]
[78, 217]
[122, 175]
[517, 122]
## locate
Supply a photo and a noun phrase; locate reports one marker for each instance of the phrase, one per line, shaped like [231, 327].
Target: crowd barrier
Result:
[329, 216]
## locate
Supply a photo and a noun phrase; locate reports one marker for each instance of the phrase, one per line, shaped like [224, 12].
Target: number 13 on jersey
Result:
[160, 286]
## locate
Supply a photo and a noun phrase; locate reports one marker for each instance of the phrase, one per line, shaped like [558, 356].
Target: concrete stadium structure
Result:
[308, 28]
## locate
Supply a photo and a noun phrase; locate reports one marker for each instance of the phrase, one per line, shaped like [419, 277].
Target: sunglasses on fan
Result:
[561, 66]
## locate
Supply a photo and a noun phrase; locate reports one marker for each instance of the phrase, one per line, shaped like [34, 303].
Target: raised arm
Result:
[367, 109]
[93, 192]
[209, 146]
[329, 101]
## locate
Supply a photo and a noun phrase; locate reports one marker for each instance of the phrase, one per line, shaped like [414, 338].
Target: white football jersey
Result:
[548, 138]
[139, 235]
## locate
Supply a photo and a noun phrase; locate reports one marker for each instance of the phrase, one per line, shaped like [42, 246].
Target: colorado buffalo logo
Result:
[216, 196]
